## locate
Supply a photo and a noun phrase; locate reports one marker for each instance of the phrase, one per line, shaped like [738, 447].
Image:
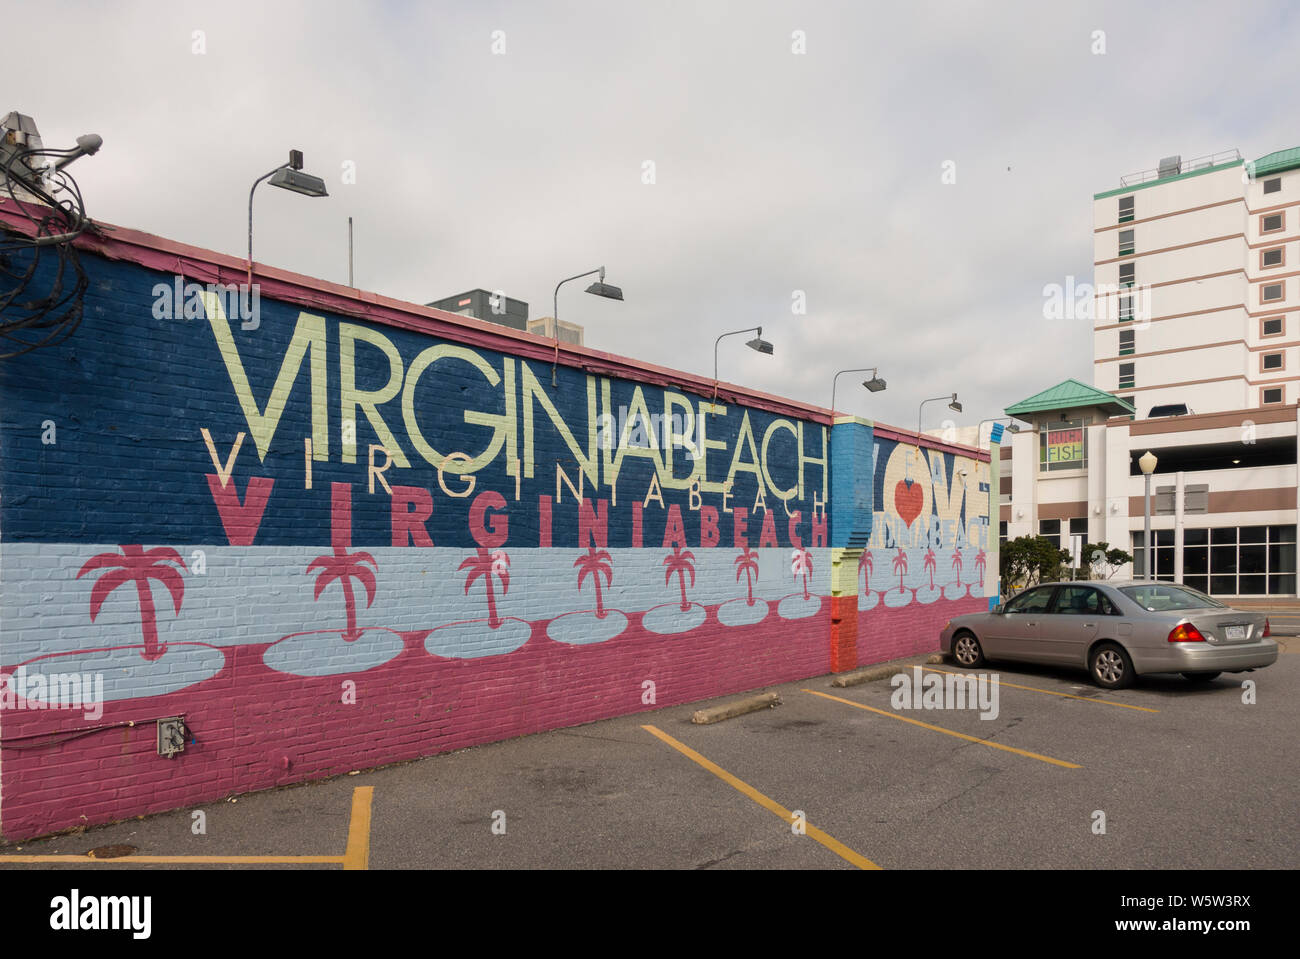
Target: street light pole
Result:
[1148, 466]
[599, 288]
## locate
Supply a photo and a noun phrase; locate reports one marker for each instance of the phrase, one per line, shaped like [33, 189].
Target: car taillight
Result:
[1185, 633]
[1267, 631]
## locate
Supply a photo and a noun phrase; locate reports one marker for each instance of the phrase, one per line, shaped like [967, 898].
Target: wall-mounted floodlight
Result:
[758, 344]
[598, 288]
[875, 384]
[287, 176]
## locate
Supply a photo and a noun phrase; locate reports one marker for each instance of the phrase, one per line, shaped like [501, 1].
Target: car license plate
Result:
[1234, 632]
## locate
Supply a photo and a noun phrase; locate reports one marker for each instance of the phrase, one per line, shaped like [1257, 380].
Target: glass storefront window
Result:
[1239, 561]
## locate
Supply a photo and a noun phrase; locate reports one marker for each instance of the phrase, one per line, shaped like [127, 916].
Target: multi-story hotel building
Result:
[1196, 329]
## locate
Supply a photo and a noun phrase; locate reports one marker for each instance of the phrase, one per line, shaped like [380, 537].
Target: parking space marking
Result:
[939, 729]
[357, 855]
[771, 805]
[1049, 692]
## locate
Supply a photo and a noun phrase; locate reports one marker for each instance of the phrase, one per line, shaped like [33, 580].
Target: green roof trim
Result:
[1168, 179]
[1069, 395]
[1276, 162]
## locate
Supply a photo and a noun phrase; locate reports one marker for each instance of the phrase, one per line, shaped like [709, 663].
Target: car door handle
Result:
[1089, 625]
[1031, 624]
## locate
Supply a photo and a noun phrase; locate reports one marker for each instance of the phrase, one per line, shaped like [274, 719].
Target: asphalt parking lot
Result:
[1187, 777]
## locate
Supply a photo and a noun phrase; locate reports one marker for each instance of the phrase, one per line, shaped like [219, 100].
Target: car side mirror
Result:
[999, 609]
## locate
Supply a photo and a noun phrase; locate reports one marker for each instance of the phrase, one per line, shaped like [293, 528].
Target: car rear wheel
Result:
[967, 651]
[1110, 667]
[1201, 677]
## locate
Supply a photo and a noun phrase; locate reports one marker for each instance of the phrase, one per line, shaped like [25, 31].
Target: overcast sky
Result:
[774, 171]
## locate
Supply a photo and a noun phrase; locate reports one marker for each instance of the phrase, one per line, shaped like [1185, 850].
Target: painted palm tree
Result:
[931, 564]
[747, 565]
[345, 567]
[138, 565]
[801, 564]
[866, 561]
[489, 565]
[595, 563]
[681, 563]
[957, 562]
[981, 561]
[900, 567]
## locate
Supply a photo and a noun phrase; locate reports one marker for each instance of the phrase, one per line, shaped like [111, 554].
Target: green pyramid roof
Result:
[1070, 395]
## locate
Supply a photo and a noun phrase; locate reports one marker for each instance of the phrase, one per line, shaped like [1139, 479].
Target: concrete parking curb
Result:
[871, 673]
[715, 714]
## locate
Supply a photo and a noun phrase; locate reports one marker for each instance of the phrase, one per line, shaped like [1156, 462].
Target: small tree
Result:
[1028, 560]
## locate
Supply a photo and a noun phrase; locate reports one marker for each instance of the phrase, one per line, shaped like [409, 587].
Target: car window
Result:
[1032, 601]
[1078, 601]
[1158, 597]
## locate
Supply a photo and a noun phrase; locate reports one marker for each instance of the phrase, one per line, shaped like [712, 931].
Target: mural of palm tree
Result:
[957, 564]
[931, 564]
[900, 567]
[681, 563]
[801, 564]
[595, 563]
[865, 560]
[747, 565]
[345, 567]
[138, 565]
[489, 565]
[981, 561]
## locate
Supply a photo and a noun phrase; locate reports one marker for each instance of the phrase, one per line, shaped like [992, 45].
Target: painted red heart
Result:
[908, 500]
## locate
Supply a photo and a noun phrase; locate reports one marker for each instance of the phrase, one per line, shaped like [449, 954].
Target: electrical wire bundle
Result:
[49, 198]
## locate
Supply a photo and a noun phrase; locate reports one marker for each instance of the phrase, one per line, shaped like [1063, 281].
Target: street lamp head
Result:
[601, 288]
[875, 384]
[1147, 463]
[954, 405]
[761, 345]
[1013, 427]
[291, 178]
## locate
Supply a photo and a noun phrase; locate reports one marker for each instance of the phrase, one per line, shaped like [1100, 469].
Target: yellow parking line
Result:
[357, 855]
[834, 845]
[940, 729]
[1049, 692]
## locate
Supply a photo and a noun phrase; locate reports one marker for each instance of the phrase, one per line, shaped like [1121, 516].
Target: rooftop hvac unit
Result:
[1170, 166]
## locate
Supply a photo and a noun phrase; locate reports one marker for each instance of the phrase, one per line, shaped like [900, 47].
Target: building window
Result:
[1002, 531]
[1274, 185]
[1126, 209]
[1061, 446]
[1127, 378]
[1276, 256]
[1163, 540]
[1271, 395]
[1125, 242]
[1126, 343]
[1127, 274]
[1272, 326]
[1125, 307]
[1272, 222]
[1270, 292]
[1240, 561]
[1050, 529]
[1271, 362]
[1131, 402]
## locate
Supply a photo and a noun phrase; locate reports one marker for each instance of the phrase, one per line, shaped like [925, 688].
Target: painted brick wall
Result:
[198, 511]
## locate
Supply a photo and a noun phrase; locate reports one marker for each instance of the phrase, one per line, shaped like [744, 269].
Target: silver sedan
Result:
[1115, 630]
